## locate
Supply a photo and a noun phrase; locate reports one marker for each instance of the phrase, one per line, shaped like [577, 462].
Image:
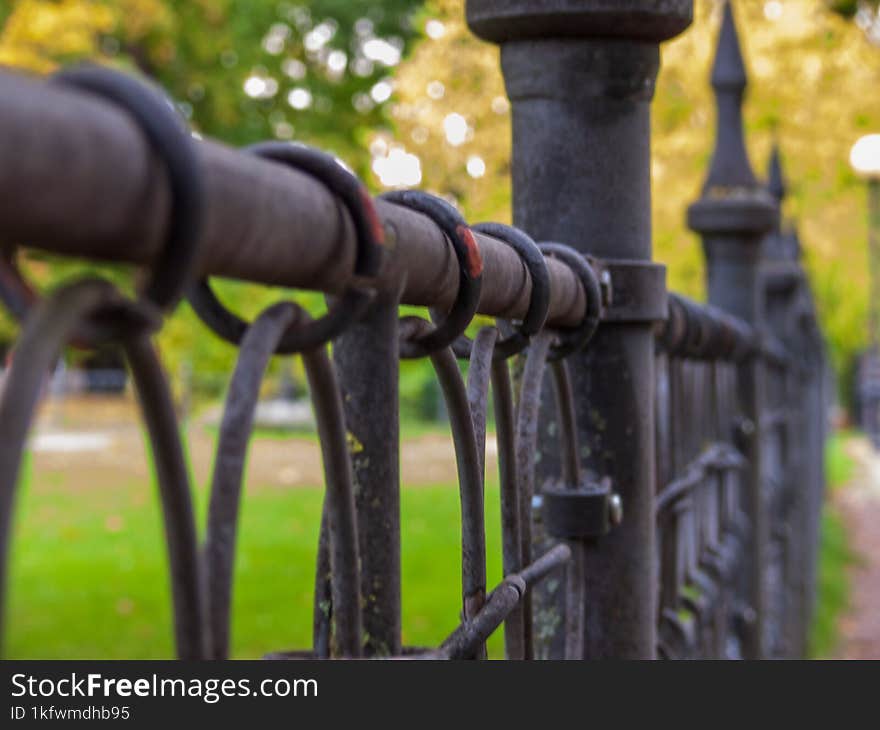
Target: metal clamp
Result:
[637, 290]
[588, 510]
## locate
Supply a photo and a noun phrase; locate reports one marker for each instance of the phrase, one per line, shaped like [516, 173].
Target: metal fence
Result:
[660, 460]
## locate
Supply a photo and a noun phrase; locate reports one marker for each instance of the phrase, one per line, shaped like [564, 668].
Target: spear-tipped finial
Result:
[730, 161]
[728, 71]
[732, 198]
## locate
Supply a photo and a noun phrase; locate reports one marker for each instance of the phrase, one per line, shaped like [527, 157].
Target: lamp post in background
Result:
[865, 160]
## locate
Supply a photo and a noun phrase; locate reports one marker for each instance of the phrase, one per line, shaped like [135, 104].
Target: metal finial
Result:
[728, 71]
[776, 184]
[730, 161]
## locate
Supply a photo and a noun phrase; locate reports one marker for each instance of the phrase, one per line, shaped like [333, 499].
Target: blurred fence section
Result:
[660, 460]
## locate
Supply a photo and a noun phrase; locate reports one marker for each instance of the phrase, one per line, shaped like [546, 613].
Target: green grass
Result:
[89, 577]
[835, 555]
[410, 428]
[839, 466]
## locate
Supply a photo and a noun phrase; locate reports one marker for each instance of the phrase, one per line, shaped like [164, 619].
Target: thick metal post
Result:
[366, 358]
[732, 216]
[580, 76]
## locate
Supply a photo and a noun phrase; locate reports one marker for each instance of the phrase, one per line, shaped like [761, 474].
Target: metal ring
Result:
[370, 235]
[166, 134]
[517, 339]
[571, 340]
[169, 139]
[470, 264]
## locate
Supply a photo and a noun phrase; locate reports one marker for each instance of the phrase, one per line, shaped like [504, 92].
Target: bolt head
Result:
[747, 427]
[615, 509]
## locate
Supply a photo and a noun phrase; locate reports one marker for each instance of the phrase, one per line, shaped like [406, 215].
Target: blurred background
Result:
[401, 92]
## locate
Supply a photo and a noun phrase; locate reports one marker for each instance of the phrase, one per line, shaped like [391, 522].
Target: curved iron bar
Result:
[469, 464]
[258, 345]
[479, 377]
[562, 389]
[511, 513]
[322, 611]
[526, 445]
[339, 498]
[473, 530]
[50, 325]
[571, 474]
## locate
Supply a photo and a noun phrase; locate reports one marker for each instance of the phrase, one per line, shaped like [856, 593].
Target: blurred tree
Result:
[240, 71]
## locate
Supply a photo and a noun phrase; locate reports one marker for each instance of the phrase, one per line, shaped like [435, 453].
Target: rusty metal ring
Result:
[572, 340]
[470, 264]
[157, 118]
[516, 340]
[353, 302]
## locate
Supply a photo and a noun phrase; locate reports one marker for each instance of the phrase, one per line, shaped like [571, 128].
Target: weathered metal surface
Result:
[581, 150]
[367, 360]
[672, 481]
[649, 20]
[261, 223]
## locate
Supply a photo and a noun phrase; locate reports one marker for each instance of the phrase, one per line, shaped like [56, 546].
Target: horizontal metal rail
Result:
[703, 332]
[77, 177]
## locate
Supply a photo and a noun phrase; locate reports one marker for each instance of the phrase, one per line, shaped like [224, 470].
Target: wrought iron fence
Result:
[660, 460]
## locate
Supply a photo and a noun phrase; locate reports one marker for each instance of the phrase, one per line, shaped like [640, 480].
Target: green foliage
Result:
[836, 556]
[839, 465]
[835, 559]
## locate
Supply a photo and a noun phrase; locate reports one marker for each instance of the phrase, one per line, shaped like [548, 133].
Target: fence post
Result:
[732, 217]
[580, 76]
[367, 360]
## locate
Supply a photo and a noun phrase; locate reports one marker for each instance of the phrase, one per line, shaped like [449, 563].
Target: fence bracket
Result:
[638, 291]
[589, 510]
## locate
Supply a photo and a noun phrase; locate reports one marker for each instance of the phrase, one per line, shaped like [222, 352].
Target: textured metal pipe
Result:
[77, 177]
[581, 175]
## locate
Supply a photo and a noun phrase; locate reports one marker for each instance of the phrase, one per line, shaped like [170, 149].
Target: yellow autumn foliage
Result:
[38, 34]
